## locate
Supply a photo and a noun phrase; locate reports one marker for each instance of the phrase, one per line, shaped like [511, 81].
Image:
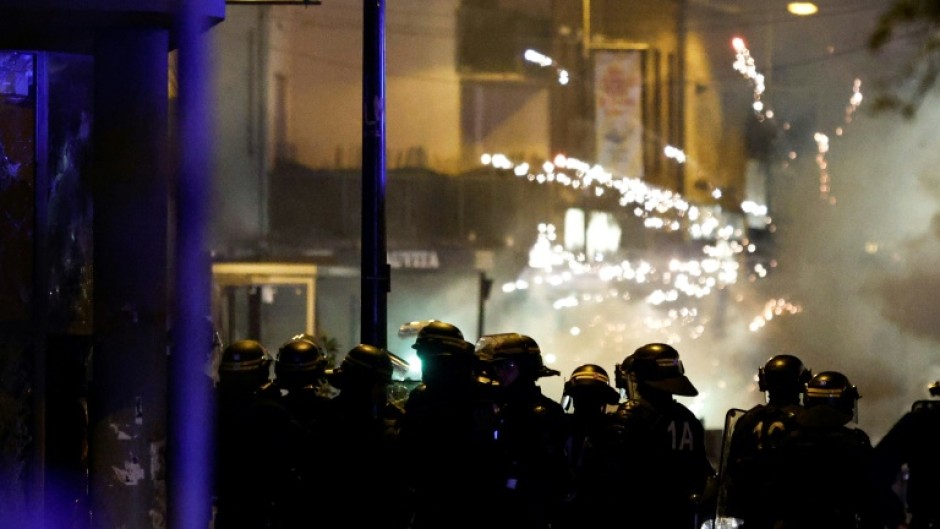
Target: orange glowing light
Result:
[802, 9]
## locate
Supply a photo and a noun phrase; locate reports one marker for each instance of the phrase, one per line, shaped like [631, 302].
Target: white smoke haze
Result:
[610, 330]
[861, 268]
[864, 269]
[863, 272]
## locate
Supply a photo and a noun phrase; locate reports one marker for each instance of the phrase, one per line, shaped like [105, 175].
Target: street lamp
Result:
[802, 9]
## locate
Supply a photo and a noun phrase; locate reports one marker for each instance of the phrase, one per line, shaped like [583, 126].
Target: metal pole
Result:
[586, 22]
[131, 284]
[485, 286]
[681, 40]
[375, 270]
[191, 410]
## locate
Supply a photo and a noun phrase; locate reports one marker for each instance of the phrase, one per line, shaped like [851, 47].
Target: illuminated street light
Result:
[802, 9]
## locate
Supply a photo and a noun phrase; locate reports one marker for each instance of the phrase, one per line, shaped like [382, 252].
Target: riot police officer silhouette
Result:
[751, 458]
[247, 414]
[912, 442]
[589, 392]
[536, 478]
[824, 475]
[362, 466]
[299, 371]
[664, 467]
[448, 434]
[299, 377]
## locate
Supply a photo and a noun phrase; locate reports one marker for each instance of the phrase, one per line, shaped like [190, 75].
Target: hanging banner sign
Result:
[618, 82]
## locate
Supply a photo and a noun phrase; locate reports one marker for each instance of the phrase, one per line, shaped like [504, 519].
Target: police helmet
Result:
[244, 362]
[244, 355]
[656, 365]
[300, 362]
[834, 389]
[514, 347]
[590, 382]
[439, 338]
[783, 374]
[364, 365]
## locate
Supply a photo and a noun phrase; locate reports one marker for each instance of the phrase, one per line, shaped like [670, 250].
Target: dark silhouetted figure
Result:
[665, 472]
[589, 392]
[536, 478]
[299, 371]
[824, 474]
[300, 378]
[912, 441]
[362, 466]
[248, 412]
[449, 434]
[752, 461]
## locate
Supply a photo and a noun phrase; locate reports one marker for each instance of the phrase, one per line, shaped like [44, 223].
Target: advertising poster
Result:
[618, 82]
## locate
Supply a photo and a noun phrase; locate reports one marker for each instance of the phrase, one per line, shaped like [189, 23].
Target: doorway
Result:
[267, 302]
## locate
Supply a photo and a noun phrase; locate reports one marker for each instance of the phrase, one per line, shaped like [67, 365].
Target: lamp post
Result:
[375, 270]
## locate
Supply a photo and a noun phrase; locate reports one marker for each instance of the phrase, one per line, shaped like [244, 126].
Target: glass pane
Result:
[17, 182]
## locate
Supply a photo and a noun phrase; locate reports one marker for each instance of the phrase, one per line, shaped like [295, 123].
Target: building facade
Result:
[610, 83]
